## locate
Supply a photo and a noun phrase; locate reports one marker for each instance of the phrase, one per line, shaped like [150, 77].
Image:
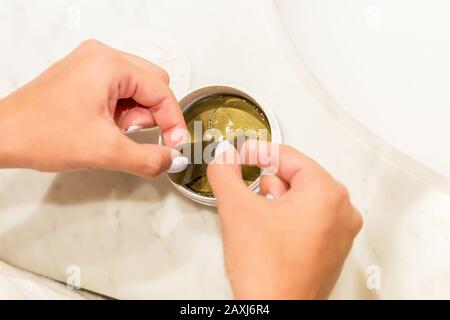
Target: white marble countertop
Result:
[136, 238]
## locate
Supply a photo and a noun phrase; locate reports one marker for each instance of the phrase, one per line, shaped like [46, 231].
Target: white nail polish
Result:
[178, 164]
[132, 129]
[269, 196]
[221, 148]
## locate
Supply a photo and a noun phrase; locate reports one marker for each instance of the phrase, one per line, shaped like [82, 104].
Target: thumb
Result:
[225, 176]
[147, 160]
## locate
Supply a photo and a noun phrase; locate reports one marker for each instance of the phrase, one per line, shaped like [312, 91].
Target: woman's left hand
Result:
[74, 115]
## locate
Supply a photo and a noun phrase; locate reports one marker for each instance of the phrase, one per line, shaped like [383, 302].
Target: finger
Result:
[225, 176]
[147, 160]
[151, 92]
[130, 115]
[147, 66]
[272, 186]
[135, 119]
[288, 164]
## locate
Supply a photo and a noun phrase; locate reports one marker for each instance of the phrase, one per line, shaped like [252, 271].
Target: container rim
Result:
[202, 92]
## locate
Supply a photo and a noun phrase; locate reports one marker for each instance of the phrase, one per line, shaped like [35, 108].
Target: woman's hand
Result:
[73, 115]
[291, 243]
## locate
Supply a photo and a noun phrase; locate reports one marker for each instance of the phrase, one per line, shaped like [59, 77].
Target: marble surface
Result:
[16, 284]
[136, 238]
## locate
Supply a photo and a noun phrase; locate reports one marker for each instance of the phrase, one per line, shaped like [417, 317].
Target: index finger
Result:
[151, 92]
[147, 65]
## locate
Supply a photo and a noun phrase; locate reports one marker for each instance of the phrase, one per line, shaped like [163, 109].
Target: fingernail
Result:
[269, 196]
[221, 148]
[132, 129]
[179, 164]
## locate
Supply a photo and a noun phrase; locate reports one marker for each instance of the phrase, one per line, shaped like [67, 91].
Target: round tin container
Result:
[201, 93]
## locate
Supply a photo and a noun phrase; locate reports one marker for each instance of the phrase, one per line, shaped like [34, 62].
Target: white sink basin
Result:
[386, 63]
[381, 69]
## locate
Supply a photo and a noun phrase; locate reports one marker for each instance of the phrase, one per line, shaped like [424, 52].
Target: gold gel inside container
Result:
[230, 115]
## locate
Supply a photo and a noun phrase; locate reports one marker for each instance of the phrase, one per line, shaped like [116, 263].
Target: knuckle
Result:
[357, 223]
[91, 44]
[106, 57]
[340, 194]
[343, 193]
[97, 51]
[164, 75]
[110, 66]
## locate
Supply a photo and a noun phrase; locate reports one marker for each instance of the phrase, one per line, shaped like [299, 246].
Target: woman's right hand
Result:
[292, 243]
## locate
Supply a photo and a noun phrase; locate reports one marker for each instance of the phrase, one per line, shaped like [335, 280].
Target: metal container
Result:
[201, 93]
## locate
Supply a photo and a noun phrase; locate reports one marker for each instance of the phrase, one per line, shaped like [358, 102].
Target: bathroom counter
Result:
[128, 237]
